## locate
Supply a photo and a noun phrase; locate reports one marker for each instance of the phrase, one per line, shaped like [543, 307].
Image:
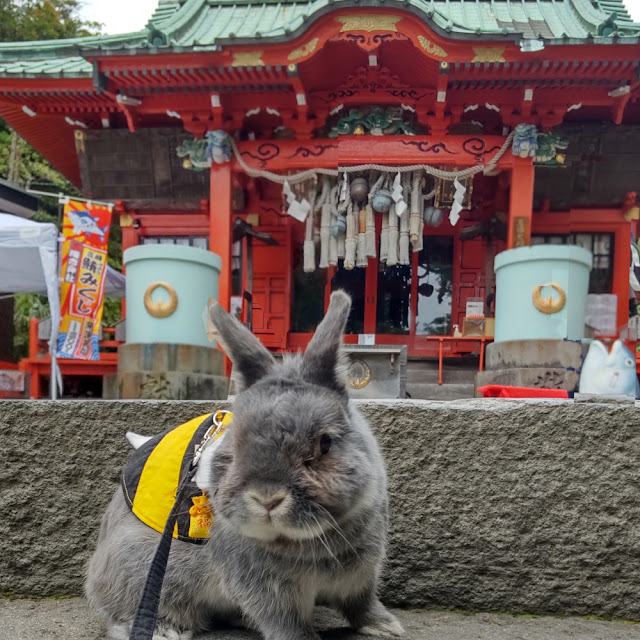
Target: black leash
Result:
[144, 623]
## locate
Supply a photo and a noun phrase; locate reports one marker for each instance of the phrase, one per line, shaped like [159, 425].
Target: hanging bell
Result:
[382, 201]
[433, 216]
[359, 189]
[339, 226]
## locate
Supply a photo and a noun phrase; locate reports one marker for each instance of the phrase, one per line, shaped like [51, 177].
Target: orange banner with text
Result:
[85, 229]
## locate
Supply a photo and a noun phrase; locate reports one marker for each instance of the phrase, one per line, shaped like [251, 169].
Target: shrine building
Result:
[519, 121]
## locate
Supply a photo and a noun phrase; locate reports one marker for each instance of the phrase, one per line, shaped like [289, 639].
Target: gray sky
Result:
[120, 16]
[633, 7]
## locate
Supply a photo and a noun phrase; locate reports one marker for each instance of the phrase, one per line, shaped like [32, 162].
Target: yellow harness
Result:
[151, 477]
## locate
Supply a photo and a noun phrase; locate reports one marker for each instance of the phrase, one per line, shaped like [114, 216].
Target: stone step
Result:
[563, 354]
[426, 371]
[435, 391]
[537, 377]
[160, 357]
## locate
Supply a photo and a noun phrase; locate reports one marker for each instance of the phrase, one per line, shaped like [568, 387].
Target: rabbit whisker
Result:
[333, 523]
[321, 537]
[313, 547]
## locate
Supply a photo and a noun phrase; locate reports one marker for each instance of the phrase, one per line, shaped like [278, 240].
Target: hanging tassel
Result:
[416, 210]
[384, 238]
[350, 239]
[309, 248]
[325, 234]
[361, 251]
[403, 249]
[370, 233]
[392, 258]
[420, 243]
[403, 243]
[333, 239]
[341, 247]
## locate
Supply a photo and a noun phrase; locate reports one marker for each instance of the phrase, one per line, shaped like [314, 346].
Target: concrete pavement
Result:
[71, 619]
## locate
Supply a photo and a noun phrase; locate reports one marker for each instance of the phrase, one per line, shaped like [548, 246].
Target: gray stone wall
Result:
[498, 505]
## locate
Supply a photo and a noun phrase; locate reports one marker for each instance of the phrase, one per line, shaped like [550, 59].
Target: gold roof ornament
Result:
[369, 22]
[488, 54]
[304, 50]
[432, 48]
[247, 59]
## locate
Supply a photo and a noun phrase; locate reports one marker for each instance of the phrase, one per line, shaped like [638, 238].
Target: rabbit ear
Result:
[322, 362]
[251, 360]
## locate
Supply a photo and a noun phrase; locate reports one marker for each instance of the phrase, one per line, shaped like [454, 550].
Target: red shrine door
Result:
[469, 283]
[271, 288]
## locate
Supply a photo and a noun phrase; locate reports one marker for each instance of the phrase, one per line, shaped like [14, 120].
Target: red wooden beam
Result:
[520, 203]
[281, 155]
[220, 227]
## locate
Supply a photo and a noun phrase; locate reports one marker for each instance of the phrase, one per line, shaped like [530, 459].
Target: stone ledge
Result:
[71, 619]
[503, 505]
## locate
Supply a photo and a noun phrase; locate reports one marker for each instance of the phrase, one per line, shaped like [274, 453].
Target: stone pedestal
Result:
[168, 371]
[543, 364]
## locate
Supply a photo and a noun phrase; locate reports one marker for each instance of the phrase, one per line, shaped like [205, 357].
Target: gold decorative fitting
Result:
[247, 59]
[79, 137]
[160, 309]
[488, 54]
[358, 374]
[369, 22]
[304, 50]
[126, 220]
[432, 48]
[548, 304]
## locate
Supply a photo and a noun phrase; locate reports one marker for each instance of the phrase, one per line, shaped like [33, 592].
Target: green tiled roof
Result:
[192, 23]
[184, 25]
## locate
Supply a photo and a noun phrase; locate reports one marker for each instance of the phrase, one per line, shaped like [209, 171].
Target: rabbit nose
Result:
[269, 502]
[272, 504]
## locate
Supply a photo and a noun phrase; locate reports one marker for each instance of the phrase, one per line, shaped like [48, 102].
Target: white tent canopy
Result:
[29, 264]
[22, 246]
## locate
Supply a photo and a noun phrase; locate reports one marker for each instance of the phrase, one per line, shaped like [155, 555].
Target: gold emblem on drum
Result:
[548, 304]
[358, 374]
[160, 309]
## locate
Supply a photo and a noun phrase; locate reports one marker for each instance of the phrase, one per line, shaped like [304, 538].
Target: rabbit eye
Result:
[325, 443]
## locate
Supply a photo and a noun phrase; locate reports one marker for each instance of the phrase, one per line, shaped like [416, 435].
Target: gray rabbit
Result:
[298, 489]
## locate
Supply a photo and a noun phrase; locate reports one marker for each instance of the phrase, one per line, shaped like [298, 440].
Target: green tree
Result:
[22, 20]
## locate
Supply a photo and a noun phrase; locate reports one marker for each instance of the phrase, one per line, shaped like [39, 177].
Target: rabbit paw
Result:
[118, 632]
[388, 628]
[166, 632]
[163, 631]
